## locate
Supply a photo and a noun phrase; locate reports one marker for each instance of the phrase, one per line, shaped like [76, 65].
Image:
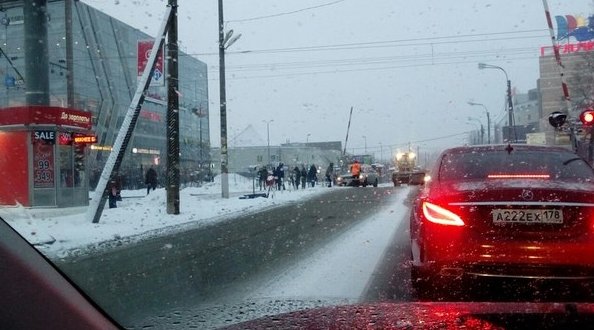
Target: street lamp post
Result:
[488, 120]
[365, 138]
[510, 105]
[482, 131]
[268, 135]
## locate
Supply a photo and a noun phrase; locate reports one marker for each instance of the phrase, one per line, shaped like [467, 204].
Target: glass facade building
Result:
[105, 71]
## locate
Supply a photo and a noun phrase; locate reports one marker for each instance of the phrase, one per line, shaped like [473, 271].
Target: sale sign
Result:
[43, 165]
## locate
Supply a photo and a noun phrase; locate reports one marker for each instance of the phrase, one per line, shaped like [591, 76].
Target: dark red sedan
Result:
[504, 211]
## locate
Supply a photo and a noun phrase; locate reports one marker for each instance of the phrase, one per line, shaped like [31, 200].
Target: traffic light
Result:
[587, 117]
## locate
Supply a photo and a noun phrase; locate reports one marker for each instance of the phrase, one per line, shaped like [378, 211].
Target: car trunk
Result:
[522, 209]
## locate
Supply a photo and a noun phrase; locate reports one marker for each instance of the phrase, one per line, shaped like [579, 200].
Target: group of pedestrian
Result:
[305, 177]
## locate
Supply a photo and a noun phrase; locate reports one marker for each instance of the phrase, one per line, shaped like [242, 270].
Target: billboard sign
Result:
[578, 27]
[568, 48]
[144, 48]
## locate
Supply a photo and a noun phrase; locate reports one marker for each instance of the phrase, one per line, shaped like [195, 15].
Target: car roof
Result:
[503, 147]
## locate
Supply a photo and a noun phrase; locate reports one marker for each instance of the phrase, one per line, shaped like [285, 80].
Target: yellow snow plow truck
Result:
[406, 170]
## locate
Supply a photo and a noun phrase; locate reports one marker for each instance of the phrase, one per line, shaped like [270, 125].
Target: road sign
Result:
[144, 52]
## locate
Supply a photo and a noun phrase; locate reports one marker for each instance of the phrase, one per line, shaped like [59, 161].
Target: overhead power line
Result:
[468, 38]
[284, 13]
[385, 67]
[396, 145]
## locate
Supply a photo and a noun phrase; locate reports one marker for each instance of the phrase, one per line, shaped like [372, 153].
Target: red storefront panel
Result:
[45, 115]
[14, 168]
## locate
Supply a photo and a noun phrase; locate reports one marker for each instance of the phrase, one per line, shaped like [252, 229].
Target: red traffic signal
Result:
[587, 117]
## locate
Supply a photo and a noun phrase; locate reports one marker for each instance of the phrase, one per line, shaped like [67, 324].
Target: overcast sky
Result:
[407, 67]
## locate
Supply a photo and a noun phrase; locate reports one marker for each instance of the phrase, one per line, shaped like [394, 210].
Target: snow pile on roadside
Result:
[60, 232]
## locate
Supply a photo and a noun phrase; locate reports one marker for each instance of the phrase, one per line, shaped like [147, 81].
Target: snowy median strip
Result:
[60, 232]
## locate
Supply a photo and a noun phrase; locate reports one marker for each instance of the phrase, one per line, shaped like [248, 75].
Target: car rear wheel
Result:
[375, 183]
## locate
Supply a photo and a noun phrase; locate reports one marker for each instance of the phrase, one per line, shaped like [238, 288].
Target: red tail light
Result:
[439, 215]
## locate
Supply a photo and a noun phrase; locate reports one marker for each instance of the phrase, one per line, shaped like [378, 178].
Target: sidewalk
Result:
[59, 232]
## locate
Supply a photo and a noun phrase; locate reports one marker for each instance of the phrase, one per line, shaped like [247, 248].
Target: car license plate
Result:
[527, 216]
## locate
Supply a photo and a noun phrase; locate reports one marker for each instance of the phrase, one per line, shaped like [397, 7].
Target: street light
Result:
[482, 128]
[381, 152]
[510, 105]
[268, 135]
[224, 42]
[365, 138]
[488, 120]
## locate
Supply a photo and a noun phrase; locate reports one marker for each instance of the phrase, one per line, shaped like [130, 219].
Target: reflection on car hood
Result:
[427, 315]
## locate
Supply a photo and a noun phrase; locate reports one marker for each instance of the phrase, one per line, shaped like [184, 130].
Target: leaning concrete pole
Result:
[561, 67]
[119, 147]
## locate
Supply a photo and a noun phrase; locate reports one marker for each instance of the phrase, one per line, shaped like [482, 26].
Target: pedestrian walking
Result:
[303, 176]
[297, 174]
[151, 179]
[262, 174]
[113, 194]
[280, 176]
[330, 174]
[313, 175]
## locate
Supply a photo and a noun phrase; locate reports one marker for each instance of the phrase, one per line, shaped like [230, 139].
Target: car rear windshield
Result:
[518, 163]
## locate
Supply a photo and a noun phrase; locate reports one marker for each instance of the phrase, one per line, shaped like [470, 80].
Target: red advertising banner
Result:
[143, 53]
[43, 165]
[45, 115]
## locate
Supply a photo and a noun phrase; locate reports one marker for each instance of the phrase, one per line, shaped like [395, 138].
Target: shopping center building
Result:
[107, 56]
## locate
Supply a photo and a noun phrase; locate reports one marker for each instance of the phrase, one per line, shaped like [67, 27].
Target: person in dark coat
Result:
[280, 176]
[312, 176]
[297, 174]
[303, 176]
[113, 194]
[330, 174]
[262, 174]
[150, 179]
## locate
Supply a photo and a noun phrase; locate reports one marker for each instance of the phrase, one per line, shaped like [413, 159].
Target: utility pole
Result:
[223, 105]
[36, 52]
[172, 114]
[510, 108]
[69, 54]
[268, 136]
[346, 140]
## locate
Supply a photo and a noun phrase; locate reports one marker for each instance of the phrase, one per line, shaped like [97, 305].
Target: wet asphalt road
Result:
[164, 273]
[180, 270]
